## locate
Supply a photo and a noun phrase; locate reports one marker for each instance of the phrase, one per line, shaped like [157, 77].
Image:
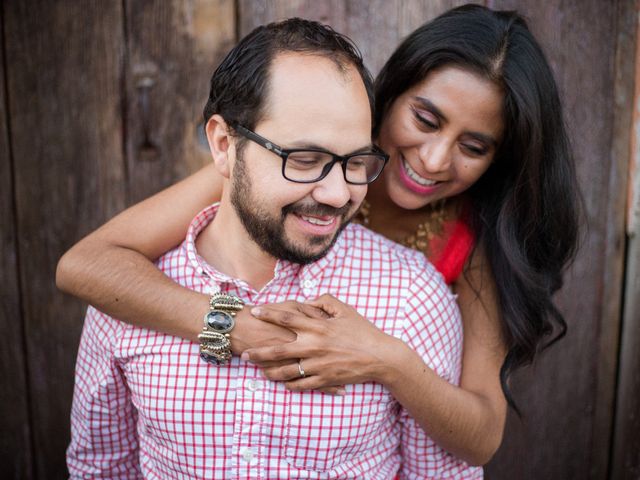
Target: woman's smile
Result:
[414, 181]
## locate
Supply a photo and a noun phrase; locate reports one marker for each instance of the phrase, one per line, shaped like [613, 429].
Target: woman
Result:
[480, 179]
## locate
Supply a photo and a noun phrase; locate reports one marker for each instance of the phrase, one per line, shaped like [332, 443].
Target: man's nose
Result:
[333, 189]
[435, 156]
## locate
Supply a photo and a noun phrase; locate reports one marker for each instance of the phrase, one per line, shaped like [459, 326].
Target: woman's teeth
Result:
[317, 221]
[417, 178]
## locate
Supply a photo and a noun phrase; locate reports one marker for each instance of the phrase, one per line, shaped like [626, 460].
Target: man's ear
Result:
[221, 144]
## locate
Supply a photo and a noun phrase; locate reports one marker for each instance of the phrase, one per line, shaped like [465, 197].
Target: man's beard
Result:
[268, 232]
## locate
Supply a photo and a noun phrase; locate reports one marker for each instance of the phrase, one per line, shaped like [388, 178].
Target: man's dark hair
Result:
[240, 84]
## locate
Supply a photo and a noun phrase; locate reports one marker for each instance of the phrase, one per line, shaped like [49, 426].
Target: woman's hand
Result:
[251, 332]
[335, 345]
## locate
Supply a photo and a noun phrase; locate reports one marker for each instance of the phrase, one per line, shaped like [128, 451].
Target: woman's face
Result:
[441, 135]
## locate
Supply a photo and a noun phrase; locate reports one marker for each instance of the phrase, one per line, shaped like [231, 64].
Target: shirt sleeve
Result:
[432, 328]
[104, 441]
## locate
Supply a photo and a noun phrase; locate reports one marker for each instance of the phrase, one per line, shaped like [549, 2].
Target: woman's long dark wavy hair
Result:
[526, 207]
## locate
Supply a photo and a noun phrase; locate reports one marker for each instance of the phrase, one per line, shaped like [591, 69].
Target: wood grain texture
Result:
[567, 396]
[253, 13]
[625, 462]
[78, 76]
[16, 454]
[64, 94]
[172, 50]
[376, 26]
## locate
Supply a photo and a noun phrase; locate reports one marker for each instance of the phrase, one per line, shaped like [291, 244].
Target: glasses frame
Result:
[284, 153]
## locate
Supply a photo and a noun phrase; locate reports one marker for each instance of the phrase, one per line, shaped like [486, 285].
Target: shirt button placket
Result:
[251, 431]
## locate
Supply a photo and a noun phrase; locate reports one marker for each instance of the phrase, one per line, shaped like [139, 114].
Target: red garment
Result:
[449, 252]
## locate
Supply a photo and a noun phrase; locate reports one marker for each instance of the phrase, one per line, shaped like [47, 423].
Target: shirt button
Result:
[308, 283]
[247, 454]
[253, 385]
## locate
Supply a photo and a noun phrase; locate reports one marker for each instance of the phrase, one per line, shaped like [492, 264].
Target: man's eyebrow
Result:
[482, 137]
[304, 144]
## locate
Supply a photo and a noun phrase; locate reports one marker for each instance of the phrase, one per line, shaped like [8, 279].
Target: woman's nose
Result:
[435, 156]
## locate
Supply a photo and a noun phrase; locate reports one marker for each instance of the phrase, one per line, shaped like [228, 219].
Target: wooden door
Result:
[100, 105]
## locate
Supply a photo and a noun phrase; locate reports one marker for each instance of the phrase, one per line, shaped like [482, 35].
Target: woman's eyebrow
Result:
[428, 104]
[488, 139]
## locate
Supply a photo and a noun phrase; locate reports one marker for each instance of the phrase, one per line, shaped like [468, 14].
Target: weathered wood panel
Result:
[567, 397]
[103, 102]
[16, 454]
[376, 26]
[259, 12]
[172, 50]
[625, 462]
[64, 89]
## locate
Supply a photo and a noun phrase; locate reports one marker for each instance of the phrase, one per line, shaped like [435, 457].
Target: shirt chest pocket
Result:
[324, 432]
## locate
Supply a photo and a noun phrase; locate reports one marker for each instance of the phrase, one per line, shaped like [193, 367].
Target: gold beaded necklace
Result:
[432, 226]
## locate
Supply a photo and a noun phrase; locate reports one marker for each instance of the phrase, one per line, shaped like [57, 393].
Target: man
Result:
[147, 406]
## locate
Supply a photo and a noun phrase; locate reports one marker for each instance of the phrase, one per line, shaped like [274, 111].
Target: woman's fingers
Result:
[287, 372]
[287, 317]
[273, 353]
[339, 390]
[291, 374]
[311, 383]
[269, 364]
[329, 304]
[312, 311]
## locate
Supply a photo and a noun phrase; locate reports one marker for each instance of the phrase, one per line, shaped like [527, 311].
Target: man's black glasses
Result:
[311, 165]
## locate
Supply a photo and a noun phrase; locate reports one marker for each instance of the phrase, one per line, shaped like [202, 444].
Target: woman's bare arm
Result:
[483, 353]
[467, 421]
[111, 268]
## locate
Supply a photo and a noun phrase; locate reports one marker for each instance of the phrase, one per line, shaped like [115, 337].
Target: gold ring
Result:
[300, 369]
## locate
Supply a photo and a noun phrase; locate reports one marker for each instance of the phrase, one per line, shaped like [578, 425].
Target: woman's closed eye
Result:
[475, 150]
[426, 119]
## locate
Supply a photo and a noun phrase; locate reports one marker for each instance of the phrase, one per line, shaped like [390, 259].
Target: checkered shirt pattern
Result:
[146, 406]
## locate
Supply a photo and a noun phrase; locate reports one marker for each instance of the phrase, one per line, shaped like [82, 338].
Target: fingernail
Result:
[341, 391]
[256, 311]
[245, 356]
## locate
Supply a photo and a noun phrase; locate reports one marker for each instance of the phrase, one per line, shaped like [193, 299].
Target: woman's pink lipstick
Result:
[411, 184]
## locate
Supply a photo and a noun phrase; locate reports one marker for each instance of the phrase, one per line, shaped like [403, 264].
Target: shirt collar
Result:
[283, 269]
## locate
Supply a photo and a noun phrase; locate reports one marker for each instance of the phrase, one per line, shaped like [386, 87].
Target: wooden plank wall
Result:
[171, 49]
[102, 105]
[626, 440]
[16, 452]
[64, 99]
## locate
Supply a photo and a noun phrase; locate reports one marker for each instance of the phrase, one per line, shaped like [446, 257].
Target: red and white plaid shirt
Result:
[146, 406]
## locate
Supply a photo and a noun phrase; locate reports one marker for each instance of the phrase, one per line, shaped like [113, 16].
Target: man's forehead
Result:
[312, 93]
[305, 77]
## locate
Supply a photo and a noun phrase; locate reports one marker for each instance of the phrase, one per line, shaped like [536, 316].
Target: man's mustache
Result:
[316, 209]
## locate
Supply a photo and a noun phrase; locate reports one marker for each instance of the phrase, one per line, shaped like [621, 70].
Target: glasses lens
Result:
[365, 168]
[306, 166]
